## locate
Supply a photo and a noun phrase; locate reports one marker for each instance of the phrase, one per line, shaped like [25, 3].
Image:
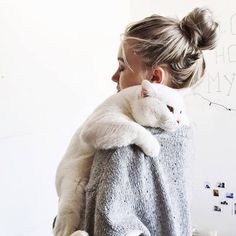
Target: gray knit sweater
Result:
[128, 190]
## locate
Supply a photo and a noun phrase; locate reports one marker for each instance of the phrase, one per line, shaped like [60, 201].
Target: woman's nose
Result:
[116, 77]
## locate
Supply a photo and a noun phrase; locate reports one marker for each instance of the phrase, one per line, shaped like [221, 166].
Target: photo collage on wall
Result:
[226, 198]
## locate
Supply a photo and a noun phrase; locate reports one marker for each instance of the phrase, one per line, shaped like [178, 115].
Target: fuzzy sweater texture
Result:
[129, 191]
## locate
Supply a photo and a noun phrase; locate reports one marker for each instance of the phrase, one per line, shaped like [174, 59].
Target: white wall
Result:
[56, 61]
[50, 53]
[214, 126]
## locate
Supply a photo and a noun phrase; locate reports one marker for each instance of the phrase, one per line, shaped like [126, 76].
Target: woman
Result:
[130, 193]
[165, 50]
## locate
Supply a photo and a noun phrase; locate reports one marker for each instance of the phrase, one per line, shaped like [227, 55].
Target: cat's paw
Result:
[80, 233]
[65, 224]
[151, 147]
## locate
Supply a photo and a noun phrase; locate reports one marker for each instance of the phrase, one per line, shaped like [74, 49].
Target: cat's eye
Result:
[171, 109]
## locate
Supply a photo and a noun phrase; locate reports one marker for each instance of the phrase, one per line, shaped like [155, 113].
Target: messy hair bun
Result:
[178, 44]
[200, 28]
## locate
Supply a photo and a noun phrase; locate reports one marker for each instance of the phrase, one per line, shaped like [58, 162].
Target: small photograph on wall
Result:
[221, 185]
[229, 195]
[224, 203]
[234, 209]
[216, 192]
[217, 208]
[207, 185]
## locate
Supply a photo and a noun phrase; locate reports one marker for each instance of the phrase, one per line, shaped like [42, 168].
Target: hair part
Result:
[176, 43]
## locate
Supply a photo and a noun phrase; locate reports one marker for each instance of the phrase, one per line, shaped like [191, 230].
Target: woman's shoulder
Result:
[182, 135]
[182, 130]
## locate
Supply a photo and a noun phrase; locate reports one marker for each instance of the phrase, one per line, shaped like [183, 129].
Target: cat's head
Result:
[159, 106]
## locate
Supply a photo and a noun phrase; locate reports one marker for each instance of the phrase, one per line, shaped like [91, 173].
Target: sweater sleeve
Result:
[129, 191]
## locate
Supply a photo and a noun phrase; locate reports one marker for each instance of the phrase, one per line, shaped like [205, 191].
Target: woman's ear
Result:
[158, 75]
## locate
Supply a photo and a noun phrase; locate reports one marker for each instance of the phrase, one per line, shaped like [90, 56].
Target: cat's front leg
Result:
[108, 133]
[147, 142]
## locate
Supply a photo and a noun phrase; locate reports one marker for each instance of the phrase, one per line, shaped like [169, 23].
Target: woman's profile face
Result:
[124, 76]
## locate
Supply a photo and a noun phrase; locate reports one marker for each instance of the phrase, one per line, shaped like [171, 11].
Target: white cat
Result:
[117, 122]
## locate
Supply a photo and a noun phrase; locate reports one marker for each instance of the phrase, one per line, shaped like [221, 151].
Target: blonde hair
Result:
[176, 43]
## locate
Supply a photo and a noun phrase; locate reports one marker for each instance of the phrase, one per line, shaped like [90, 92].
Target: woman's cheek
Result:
[122, 84]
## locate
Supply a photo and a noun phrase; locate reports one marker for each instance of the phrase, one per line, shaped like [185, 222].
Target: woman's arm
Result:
[131, 191]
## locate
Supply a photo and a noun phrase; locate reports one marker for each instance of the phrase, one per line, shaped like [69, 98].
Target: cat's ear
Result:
[147, 89]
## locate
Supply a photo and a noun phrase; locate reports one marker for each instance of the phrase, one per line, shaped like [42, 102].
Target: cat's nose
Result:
[178, 121]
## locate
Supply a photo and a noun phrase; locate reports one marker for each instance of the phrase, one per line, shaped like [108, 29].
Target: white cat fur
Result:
[117, 122]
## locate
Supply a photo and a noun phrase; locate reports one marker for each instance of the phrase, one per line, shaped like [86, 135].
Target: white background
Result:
[56, 60]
